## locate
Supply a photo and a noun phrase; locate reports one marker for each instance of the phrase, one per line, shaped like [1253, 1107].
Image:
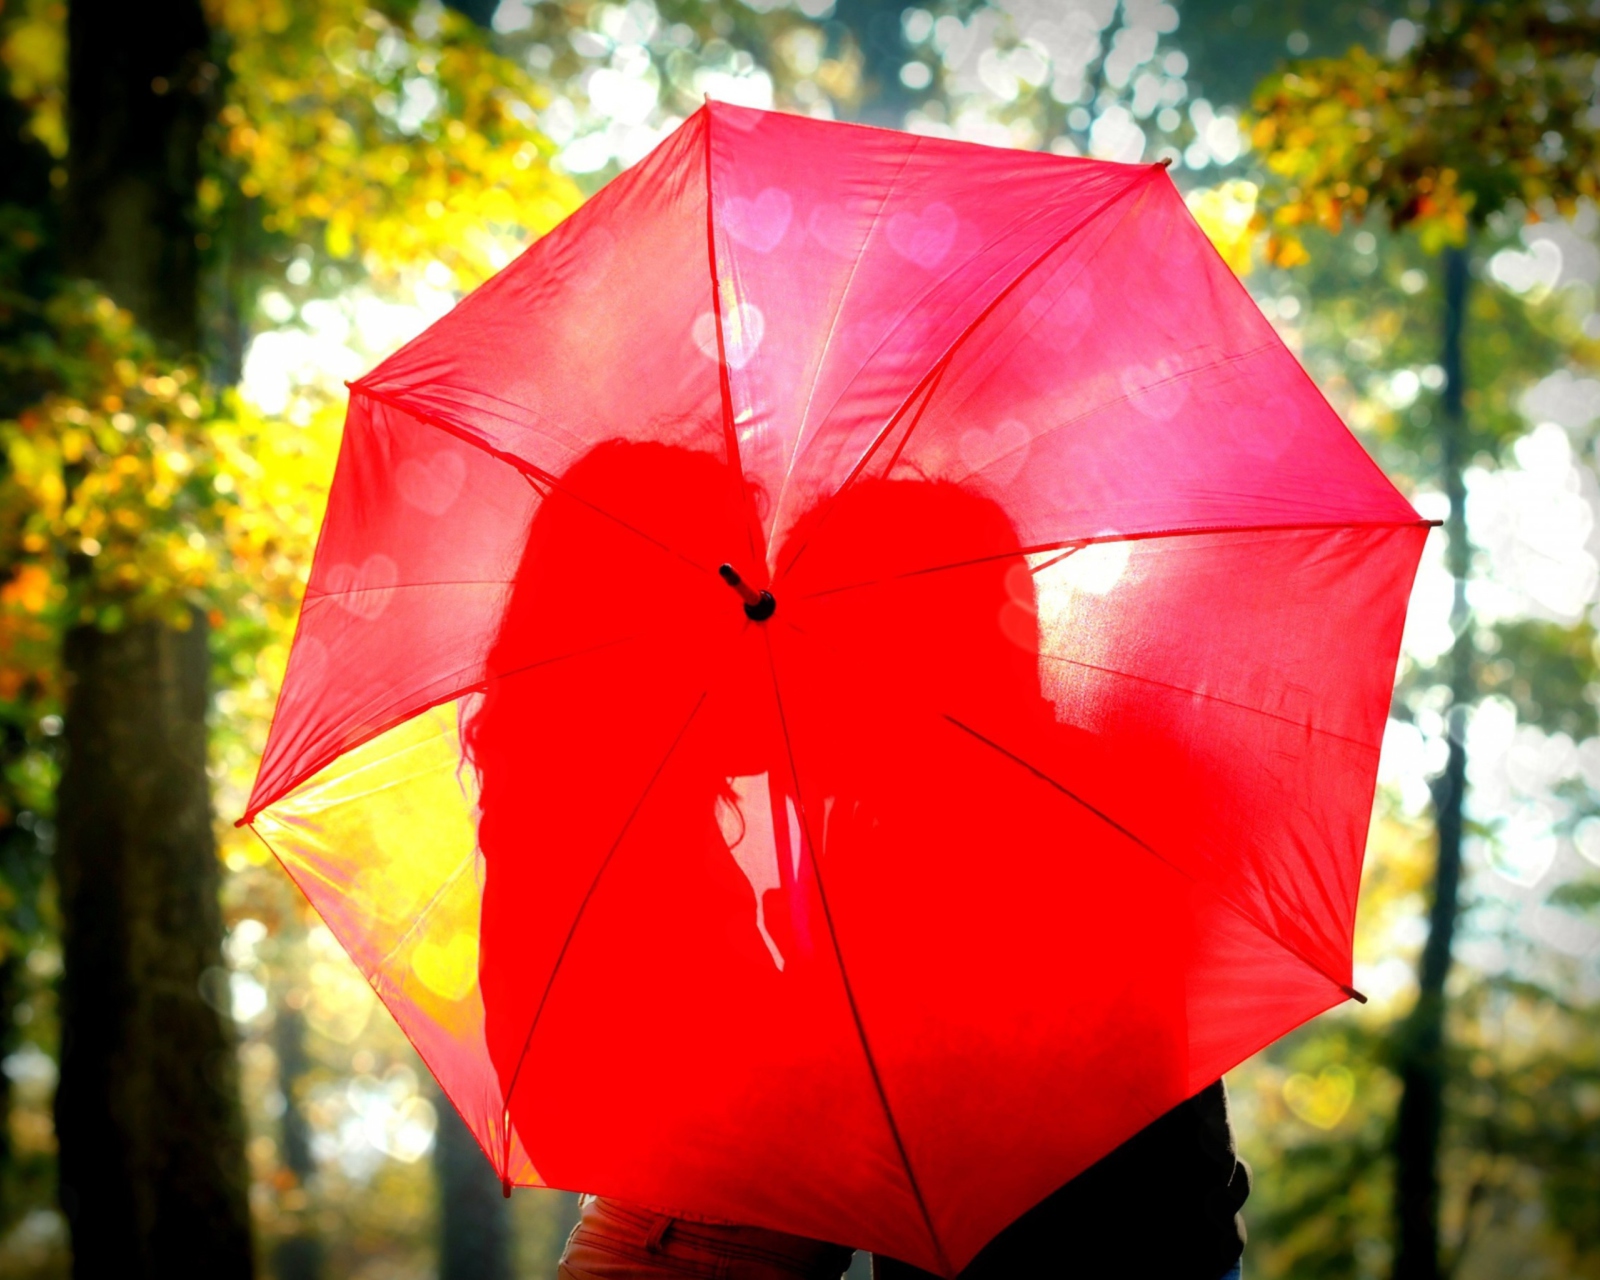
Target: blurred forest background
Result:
[230, 206]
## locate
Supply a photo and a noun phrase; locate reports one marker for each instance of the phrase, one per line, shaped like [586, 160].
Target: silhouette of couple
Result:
[648, 786]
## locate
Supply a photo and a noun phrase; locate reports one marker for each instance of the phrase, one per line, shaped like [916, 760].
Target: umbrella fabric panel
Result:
[853, 257]
[602, 330]
[383, 844]
[1129, 385]
[422, 538]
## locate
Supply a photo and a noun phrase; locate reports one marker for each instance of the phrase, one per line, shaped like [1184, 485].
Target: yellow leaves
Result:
[388, 143]
[1226, 213]
[34, 55]
[29, 590]
[1286, 251]
[1480, 113]
[117, 477]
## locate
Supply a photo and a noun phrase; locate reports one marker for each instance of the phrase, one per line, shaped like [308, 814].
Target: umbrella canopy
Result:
[1029, 798]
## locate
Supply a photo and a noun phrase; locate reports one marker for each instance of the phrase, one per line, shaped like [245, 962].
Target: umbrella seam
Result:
[473, 398]
[1128, 675]
[1183, 375]
[462, 867]
[833, 325]
[1140, 536]
[931, 291]
[730, 437]
[1197, 233]
[1350, 991]
[406, 586]
[321, 762]
[522, 465]
[369, 979]
[1123, 831]
[844, 976]
[1213, 697]
[572, 931]
[936, 369]
[315, 789]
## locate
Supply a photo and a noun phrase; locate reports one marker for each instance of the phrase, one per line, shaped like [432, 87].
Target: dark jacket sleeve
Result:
[1165, 1203]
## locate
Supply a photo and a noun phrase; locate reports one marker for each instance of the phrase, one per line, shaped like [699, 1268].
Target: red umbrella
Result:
[843, 683]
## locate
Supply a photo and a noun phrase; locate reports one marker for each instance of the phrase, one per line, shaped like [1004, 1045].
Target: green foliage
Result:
[1583, 894]
[1495, 103]
[1548, 671]
[392, 131]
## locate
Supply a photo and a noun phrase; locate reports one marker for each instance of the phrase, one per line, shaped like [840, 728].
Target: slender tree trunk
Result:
[474, 1215]
[298, 1255]
[152, 1165]
[1422, 1044]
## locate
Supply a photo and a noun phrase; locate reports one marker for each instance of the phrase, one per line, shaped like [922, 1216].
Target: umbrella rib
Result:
[730, 437]
[936, 370]
[1123, 831]
[927, 293]
[1210, 697]
[321, 761]
[577, 919]
[406, 586]
[529, 470]
[466, 864]
[844, 975]
[1183, 375]
[1075, 544]
[833, 325]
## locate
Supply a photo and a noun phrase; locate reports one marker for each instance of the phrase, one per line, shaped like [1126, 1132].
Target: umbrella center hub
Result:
[758, 605]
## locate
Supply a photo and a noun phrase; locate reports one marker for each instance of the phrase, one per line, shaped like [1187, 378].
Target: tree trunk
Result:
[474, 1215]
[1422, 1041]
[152, 1163]
[152, 1167]
[139, 92]
[298, 1255]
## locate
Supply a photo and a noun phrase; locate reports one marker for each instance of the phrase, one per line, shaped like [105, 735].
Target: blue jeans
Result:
[1237, 1272]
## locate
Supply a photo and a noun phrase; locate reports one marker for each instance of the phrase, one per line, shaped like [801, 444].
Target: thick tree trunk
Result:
[152, 1167]
[1422, 1044]
[140, 85]
[151, 1149]
[474, 1215]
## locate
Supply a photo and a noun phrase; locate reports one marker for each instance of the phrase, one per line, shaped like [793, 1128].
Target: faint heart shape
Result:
[1069, 311]
[363, 590]
[1323, 1099]
[1157, 392]
[996, 455]
[432, 486]
[924, 238]
[448, 969]
[760, 223]
[834, 229]
[743, 327]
